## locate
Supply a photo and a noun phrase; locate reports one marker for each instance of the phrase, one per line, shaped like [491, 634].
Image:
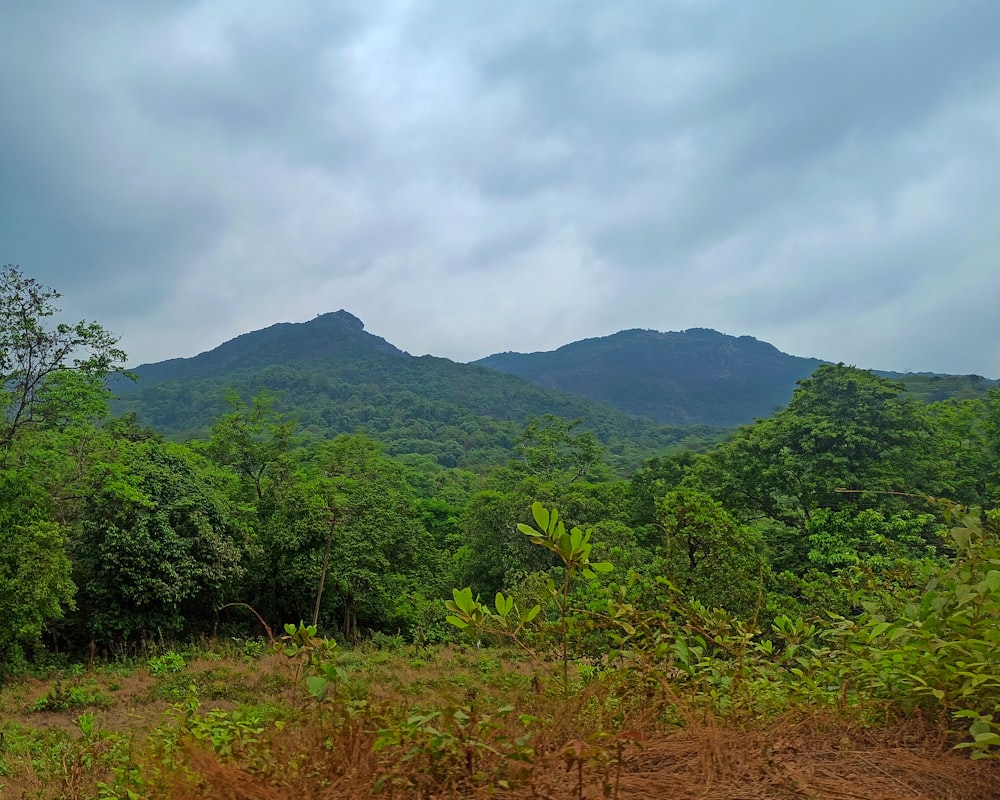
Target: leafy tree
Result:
[251, 440]
[852, 538]
[963, 458]
[159, 543]
[493, 552]
[707, 554]
[381, 547]
[549, 448]
[844, 428]
[293, 524]
[655, 478]
[33, 357]
[992, 435]
[347, 507]
[35, 584]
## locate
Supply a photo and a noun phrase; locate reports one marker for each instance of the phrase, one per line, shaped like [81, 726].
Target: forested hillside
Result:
[335, 377]
[697, 376]
[850, 540]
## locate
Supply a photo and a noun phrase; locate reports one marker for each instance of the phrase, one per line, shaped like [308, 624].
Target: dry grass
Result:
[600, 743]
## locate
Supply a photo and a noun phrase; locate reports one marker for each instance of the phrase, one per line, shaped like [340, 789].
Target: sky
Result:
[476, 177]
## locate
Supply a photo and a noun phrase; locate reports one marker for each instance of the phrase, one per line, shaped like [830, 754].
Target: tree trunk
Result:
[322, 576]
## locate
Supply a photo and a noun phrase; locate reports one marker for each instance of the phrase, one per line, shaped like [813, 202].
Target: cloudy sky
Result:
[472, 177]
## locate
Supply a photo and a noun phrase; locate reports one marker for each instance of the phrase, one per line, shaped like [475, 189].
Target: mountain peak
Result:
[335, 336]
[346, 318]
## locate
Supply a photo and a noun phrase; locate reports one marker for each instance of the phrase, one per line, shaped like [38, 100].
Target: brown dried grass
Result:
[323, 756]
[817, 758]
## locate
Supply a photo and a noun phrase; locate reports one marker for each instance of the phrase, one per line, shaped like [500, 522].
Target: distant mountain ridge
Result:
[640, 391]
[335, 377]
[697, 376]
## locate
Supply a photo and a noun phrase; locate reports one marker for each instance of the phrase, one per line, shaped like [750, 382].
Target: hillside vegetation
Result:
[698, 376]
[823, 583]
[335, 377]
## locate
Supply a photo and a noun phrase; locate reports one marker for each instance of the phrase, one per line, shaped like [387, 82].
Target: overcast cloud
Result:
[471, 177]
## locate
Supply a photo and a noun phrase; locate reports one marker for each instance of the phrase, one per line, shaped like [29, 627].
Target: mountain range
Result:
[639, 391]
[698, 376]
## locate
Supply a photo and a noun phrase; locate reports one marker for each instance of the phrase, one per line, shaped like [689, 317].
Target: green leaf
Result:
[503, 604]
[602, 566]
[527, 530]
[541, 515]
[879, 629]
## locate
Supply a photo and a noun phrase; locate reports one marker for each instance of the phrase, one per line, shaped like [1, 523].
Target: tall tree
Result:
[35, 584]
[33, 354]
[159, 544]
[253, 440]
[342, 534]
[707, 553]
[844, 428]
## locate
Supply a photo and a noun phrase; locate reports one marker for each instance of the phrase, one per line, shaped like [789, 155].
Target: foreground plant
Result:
[573, 550]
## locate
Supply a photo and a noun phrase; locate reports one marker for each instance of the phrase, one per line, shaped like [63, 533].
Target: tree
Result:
[550, 449]
[35, 584]
[493, 552]
[341, 539]
[844, 428]
[964, 463]
[33, 356]
[707, 554]
[159, 544]
[251, 440]
[848, 538]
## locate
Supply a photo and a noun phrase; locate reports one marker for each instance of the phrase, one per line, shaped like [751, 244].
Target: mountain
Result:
[697, 376]
[335, 377]
[929, 387]
[337, 336]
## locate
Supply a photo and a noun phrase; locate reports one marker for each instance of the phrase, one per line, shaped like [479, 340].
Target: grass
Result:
[440, 722]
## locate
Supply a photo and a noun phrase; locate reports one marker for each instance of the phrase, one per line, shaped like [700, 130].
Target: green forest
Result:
[841, 553]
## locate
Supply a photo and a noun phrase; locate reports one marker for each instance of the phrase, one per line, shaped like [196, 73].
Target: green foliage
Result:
[492, 552]
[848, 537]
[845, 428]
[572, 547]
[314, 658]
[573, 550]
[167, 663]
[506, 619]
[707, 554]
[159, 543]
[252, 440]
[940, 651]
[35, 584]
[549, 449]
[965, 461]
[81, 694]
[34, 359]
[457, 746]
[350, 508]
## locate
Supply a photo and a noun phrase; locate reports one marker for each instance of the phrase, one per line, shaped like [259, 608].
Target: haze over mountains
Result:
[639, 390]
